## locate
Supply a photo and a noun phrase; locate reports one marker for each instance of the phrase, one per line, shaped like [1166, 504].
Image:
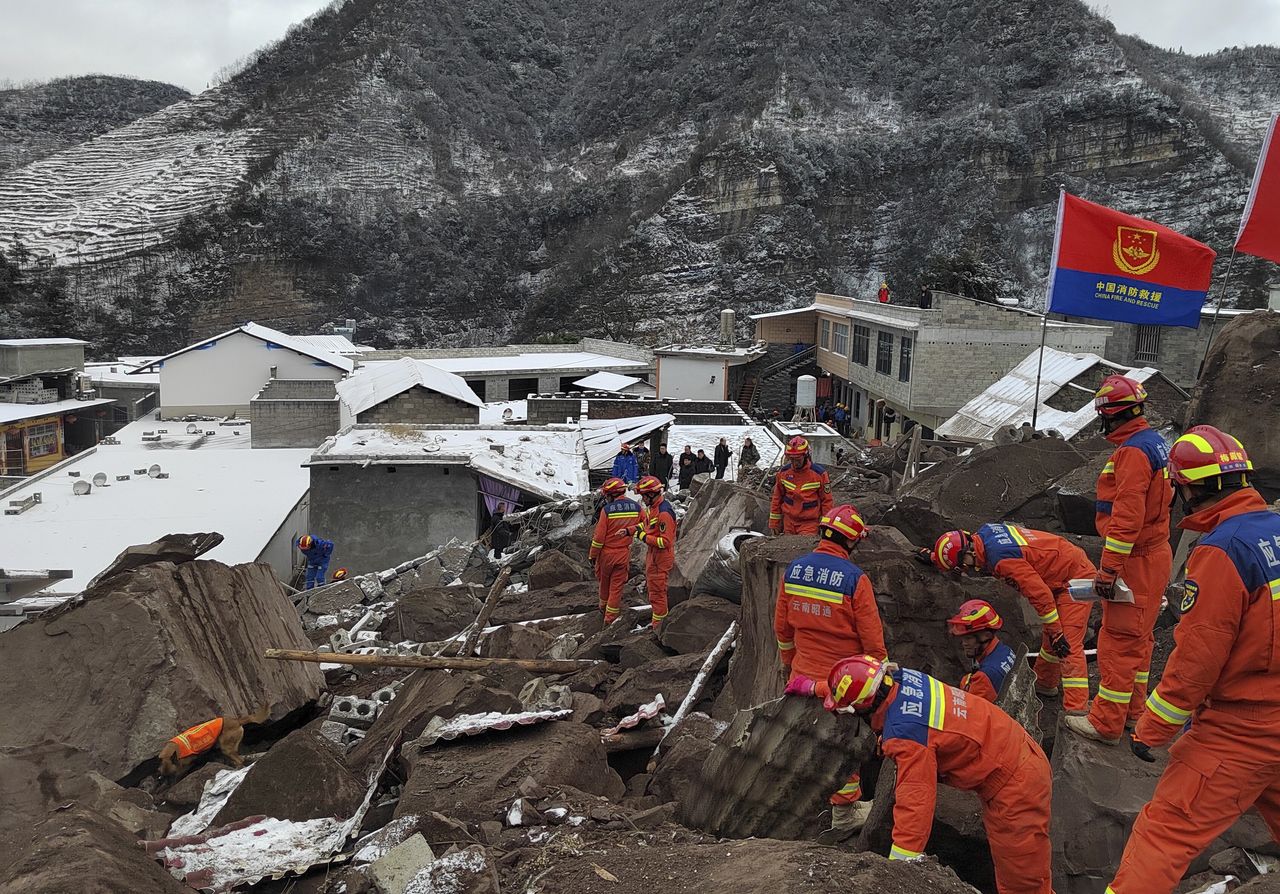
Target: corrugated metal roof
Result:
[607, 381]
[270, 337]
[784, 313]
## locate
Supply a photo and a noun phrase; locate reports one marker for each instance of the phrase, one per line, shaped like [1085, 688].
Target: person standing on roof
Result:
[975, 625]
[610, 552]
[937, 733]
[826, 609]
[1133, 516]
[722, 457]
[625, 465]
[801, 492]
[1040, 566]
[1223, 675]
[317, 550]
[657, 531]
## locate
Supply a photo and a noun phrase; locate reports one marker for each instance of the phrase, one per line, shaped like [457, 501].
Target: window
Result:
[42, 440]
[826, 334]
[840, 339]
[884, 353]
[1146, 347]
[904, 360]
[861, 344]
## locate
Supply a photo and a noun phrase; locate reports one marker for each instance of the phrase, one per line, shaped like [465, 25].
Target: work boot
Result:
[1046, 693]
[850, 817]
[1082, 726]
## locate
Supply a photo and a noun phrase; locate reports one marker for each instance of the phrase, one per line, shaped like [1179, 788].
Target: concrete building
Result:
[399, 490]
[296, 413]
[135, 395]
[409, 391]
[704, 372]
[893, 364]
[221, 375]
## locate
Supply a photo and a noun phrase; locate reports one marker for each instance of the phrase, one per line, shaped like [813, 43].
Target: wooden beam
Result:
[533, 665]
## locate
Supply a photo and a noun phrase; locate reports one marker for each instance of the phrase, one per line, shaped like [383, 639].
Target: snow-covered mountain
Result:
[467, 171]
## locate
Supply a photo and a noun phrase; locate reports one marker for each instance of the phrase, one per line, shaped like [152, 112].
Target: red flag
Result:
[1260, 227]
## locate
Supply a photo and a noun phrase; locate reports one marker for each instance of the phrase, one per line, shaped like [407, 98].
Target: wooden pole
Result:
[1216, 310]
[1035, 403]
[490, 603]
[633, 739]
[533, 665]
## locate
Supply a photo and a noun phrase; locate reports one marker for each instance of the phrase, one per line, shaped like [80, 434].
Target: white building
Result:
[220, 375]
[703, 372]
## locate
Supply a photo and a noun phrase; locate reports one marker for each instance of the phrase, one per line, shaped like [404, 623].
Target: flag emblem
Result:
[1134, 250]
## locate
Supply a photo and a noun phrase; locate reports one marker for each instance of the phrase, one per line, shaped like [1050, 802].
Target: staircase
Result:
[747, 394]
[775, 386]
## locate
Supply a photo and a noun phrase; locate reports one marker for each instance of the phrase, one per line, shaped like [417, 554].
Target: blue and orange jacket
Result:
[1039, 564]
[198, 739]
[614, 526]
[626, 467]
[1133, 494]
[1227, 646]
[658, 533]
[800, 499]
[320, 551]
[989, 671]
[937, 733]
[826, 611]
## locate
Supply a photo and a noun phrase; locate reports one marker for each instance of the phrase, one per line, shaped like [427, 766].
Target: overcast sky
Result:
[186, 41]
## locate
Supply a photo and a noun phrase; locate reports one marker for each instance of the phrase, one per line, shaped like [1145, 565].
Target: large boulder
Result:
[564, 599]
[683, 752]
[431, 614]
[671, 677]
[516, 641]
[1238, 389]
[553, 568]
[697, 624]
[719, 508]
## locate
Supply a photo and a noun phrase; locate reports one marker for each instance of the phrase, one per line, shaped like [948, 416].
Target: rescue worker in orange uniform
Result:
[1040, 566]
[801, 492]
[976, 624]
[1223, 675]
[1133, 517]
[937, 733]
[610, 553]
[657, 531]
[826, 610]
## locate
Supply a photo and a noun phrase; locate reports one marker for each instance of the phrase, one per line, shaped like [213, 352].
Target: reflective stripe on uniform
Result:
[1109, 468]
[1075, 682]
[813, 593]
[812, 485]
[937, 704]
[785, 646]
[1049, 657]
[659, 617]
[789, 485]
[1166, 710]
[596, 544]
[775, 515]
[1142, 677]
[901, 853]
[623, 514]
[1119, 546]
[1119, 698]
[1275, 589]
[1017, 535]
[851, 788]
[1050, 618]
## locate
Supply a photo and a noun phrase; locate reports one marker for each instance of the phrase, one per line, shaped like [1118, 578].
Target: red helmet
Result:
[854, 682]
[305, 542]
[846, 521]
[974, 616]
[950, 549]
[1117, 394]
[649, 485]
[613, 487]
[340, 574]
[1205, 452]
[797, 446]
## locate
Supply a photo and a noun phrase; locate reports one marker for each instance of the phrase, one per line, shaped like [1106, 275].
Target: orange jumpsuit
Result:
[1040, 566]
[1223, 676]
[937, 733]
[611, 552]
[658, 532]
[1133, 517]
[800, 499]
[989, 671]
[826, 611]
[198, 739]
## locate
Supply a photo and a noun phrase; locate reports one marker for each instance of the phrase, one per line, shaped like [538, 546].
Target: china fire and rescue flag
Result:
[1113, 266]
[1260, 227]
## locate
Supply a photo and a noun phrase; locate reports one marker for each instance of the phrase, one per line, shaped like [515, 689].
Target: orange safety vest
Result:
[198, 739]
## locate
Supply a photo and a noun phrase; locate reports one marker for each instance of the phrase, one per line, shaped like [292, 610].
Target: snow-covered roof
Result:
[18, 412]
[501, 364]
[733, 353]
[38, 342]
[608, 381]
[120, 373]
[605, 437]
[1009, 400]
[271, 337]
[215, 483]
[334, 344]
[380, 382]
[493, 412]
[785, 313]
[547, 461]
[706, 437]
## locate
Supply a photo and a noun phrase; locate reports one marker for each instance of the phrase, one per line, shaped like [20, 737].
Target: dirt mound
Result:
[1238, 390]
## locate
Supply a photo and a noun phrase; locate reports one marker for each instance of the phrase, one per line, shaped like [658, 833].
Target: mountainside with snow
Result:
[469, 172]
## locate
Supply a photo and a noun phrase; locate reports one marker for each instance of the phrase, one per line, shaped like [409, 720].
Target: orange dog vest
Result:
[199, 738]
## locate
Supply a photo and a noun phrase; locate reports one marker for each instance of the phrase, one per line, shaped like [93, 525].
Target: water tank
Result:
[806, 392]
[727, 321]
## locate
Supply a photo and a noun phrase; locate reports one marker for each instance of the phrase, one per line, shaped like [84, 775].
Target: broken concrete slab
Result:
[333, 598]
[670, 677]
[719, 508]
[467, 871]
[790, 745]
[680, 757]
[394, 870]
[553, 568]
[697, 624]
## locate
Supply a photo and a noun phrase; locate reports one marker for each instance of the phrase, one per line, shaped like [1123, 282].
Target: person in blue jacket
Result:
[317, 550]
[625, 465]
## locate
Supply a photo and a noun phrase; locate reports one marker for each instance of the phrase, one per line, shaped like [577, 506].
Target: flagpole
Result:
[1208, 342]
[1048, 301]
[1035, 404]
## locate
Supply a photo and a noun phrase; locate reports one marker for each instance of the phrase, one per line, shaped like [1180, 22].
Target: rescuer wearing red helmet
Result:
[657, 531]
[1133, 517]
[317, 550]
[826, 609]
[611, 545]
[937, 733]
[1223, 675]
[801, 492]
[976, 624]
[1040, 566]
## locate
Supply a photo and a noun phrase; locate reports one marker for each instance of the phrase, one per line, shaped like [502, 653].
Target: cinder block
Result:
[352, 711]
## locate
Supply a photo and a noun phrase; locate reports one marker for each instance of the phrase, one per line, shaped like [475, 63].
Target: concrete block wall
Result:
[419, 405]
[298, 389]
[788, 330]
[293, 423]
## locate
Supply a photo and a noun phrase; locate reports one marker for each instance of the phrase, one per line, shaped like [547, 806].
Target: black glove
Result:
[1105, 583]
[1060, 646]
[924, 556]
[1142, 750]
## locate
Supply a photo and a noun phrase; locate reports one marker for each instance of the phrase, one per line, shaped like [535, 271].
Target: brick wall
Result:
[419, 405]
[294, 413]
[788, 330]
